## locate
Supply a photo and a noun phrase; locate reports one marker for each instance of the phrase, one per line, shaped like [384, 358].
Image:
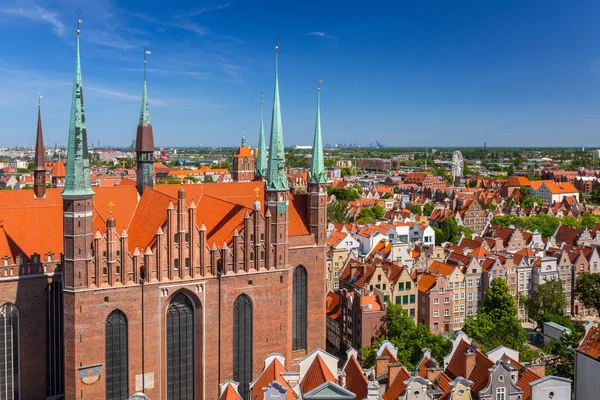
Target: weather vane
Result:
[146, 53]
[39, 98]
[277, 39]
[319, 81]
[262, 97]
[79, 21]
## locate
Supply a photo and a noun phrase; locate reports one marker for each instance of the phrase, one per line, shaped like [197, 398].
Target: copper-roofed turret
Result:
[39, 168]
[144, 142]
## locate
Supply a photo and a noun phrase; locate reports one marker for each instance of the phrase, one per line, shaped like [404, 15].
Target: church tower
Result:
[243, 163]
[144, 143]
[39, 167]
[276, 187]
[261, 158]
[317, 182]
[77, 225]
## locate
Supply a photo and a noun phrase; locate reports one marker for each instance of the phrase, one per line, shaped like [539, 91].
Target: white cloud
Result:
[38, 14]
[323, 35]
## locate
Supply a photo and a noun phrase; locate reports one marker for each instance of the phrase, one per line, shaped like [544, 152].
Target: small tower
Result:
[317, 182]
[39, 168]
[261, 158]
[277, 187]
[144, 143]
[243, 163]
[78, 232]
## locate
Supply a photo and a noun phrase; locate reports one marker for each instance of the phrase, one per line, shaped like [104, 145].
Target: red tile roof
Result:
[356, 382]
[317, 374]
[426, 282]
[397, 387]
[230, 394]
[270, 374]
[58, 170]
[590, 346]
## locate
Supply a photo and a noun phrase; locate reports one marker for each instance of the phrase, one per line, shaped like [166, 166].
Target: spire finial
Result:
[40, 97]
[145, 112]
[111, 205]
[146, 53]
[79, 20]
[261, 161]
[243, 136]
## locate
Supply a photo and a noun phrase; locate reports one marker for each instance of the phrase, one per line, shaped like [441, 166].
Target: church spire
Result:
[144, 143]
[276, 172]
[261, 161]
[145, 112]
[317, 169]
[77, 180]
[39, 168]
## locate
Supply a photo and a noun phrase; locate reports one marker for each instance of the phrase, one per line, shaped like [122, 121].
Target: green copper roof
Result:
[261, 162]
[276, 172]
[145, 112]
[77, 180]
[317, 171]
[243, 141]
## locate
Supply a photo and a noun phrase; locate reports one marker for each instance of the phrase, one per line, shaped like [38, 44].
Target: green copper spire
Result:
[261, 161]
[317, 171]
[145, 112]
[276, 172]
[77, 180]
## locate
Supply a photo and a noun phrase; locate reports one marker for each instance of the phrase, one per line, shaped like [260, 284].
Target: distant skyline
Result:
[406, 74]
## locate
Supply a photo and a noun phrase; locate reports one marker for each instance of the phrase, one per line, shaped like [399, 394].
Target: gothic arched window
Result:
[116, 356]
[54, 340]
[180, 348]
[9, 352]
[299, 309]
[242, 344]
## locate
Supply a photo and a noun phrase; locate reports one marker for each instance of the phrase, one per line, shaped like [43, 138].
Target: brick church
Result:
[168, 289]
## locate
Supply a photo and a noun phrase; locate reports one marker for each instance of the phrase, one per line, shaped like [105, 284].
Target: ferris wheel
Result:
[457, 165]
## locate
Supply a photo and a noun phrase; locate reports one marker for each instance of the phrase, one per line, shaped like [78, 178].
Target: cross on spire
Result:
[78, 12]
[111, 205]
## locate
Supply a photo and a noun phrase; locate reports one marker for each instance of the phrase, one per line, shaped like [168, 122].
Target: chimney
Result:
[469, 362]
[342, 378]
[381, 365]
[433, 373]
[394, 368]
[372, 391]
[538, 368]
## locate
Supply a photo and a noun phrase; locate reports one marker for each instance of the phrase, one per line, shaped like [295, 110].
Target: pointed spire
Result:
[243, 137]
[40, 159]
[261, 161]
[276, 173]
[77, 180]
[145, 112]
[317, 170]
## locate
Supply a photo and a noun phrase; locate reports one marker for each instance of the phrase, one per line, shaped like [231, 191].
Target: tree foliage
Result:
[497, 324]
[372, 214]
[544, 223]
[408, 337]
[416, 209]
[530, 200]
[427, 209]
[337, 211]
[548, 298]
[343, 194]
[587, 289]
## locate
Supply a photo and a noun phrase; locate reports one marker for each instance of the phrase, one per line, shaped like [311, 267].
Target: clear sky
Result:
[405, 73]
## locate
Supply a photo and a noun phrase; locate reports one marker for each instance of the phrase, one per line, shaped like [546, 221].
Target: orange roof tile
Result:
[440, 268]
[426, 282]
[271, 373]
[230, 394]
[59, 170]
[356, 382]
[335, 238]
[397, 387]
[244, 151]
[317, 374]
[590, 346]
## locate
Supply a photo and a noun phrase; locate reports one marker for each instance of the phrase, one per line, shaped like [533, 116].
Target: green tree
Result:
[427, 209]
[528, 201]
[387, 195]
[525, 191]
[400, 329]
[365, 216]
[377, 211]
[343, 194]
[208, 179]
[561, 361]
[497, 324]
[587, 289]
[548, 298]
[450, 230]
[337, 211]
[416, 209]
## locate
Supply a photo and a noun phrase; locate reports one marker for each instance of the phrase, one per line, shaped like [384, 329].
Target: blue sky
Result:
[406, 73]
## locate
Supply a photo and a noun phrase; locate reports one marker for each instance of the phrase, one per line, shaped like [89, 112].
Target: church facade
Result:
[167, 290]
